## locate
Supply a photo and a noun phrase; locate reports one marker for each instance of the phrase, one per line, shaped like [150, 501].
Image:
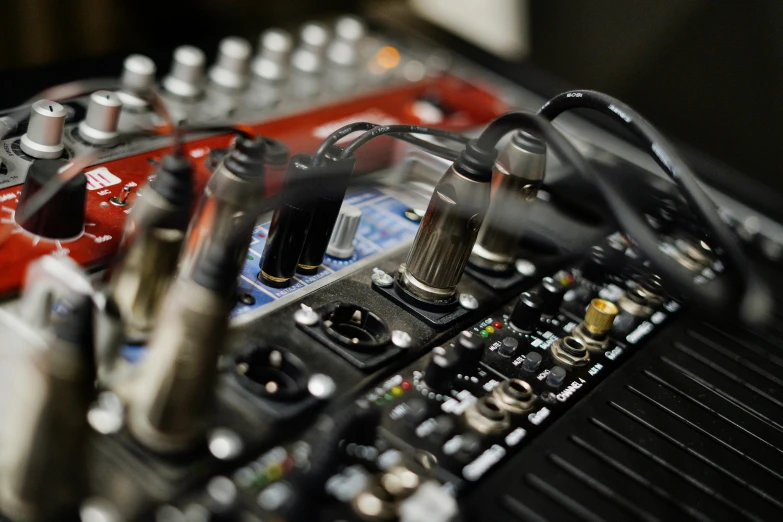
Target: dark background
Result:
[708, 73]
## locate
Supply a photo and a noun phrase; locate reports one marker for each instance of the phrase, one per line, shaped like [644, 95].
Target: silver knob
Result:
[271, 63]
[314, 36]
[186, 77]
[349, 29]
[100, 124]
[341, 242]
[230, 70]
[44, 137]
[306, 61]
[342, 53]
[138, 79]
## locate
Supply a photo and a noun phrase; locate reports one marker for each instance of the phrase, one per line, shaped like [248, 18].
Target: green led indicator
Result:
[484, 333]
[249, 258]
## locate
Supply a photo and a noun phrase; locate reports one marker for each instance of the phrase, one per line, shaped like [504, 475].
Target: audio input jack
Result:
[488, 416]
[570, 352]
[515, 396]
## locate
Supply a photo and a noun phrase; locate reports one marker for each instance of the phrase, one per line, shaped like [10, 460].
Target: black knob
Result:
[62, 217]
[526, 313]
[508, 346]
[469, 348]
[441, 371]
[556, 376]
[532, 361]
[551, 293]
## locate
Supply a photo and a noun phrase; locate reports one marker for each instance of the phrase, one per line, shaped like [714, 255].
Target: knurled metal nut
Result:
[599, 316]
[566, 358]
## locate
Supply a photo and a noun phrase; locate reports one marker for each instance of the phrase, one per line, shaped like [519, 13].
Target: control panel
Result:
[341, 275]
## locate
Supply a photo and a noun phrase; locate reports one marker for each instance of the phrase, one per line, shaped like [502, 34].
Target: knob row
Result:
[231, 70]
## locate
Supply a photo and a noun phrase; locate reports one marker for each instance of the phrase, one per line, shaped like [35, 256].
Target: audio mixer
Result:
[346, 275]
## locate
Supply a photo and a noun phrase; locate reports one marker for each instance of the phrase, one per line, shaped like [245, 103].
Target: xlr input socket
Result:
[355, 327]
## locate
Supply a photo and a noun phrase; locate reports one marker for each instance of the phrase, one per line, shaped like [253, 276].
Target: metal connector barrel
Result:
[445, 238]
[43, 453]
[517, 175]
[171, 409]
[151, 244]
[233, 195]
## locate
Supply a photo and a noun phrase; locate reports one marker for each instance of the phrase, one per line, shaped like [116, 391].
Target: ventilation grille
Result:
[691, 429]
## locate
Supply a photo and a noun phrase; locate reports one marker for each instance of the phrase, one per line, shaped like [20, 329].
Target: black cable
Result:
[756, 301]
[480, 153]
[216, 129]
[336, 136]
[434, 149]
[402, 134]
[381, 130]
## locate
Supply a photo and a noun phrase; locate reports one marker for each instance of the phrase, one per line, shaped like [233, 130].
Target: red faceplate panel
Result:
[469, 106]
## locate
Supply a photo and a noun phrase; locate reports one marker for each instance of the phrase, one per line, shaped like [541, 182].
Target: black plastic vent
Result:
[689, 429]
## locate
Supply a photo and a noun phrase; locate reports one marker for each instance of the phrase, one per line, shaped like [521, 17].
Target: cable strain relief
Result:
[173, 180]
[475, 163]
[215, 271]
[276, 152]
[246, 157]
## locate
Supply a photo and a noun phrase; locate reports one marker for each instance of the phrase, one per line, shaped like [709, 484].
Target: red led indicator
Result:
[406, 385]
[497, 325]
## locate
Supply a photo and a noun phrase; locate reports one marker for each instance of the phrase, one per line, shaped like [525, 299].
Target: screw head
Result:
[525, 267]
[468, 302]
[246, 299]
[401, 339]
[224, 444]
[321, 386]
[382, 279]
[306, 316]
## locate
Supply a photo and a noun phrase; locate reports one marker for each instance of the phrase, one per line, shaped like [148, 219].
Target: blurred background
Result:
[708, 73]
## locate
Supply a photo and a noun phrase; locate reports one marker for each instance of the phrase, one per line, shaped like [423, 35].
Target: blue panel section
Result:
[383, 227]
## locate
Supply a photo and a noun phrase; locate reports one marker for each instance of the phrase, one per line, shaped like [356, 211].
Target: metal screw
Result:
[306, 316]
[224, 444]
[525, 267]
[468, 302]
[106, 415]
[381, 278]
[247, 299]
[321, 386]
[401, 339]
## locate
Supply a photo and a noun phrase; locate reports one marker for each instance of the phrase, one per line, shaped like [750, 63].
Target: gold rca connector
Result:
[593, 332]
[515, 396]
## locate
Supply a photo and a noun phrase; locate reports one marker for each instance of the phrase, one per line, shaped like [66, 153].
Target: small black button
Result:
[508, 346]
[532, 361]
[556, 376]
